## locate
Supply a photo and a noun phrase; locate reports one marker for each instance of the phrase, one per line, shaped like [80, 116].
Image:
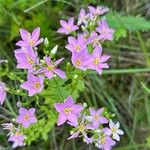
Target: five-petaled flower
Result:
[97, 60]
[80, 128]
[114, 130]
[28, 39]
[68, 111]
[17, 138]
[76, 45]
[80, 59]
[51, 69]
[26, 117]
[34, 84]
[26, 59]
[106, 33]
[96, 118]
[104, 142]
[67, 27]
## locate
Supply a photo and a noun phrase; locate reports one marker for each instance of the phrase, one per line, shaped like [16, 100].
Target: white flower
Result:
[114, 130]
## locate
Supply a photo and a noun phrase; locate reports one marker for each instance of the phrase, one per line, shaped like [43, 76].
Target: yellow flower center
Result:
[26, 117]
[96, 61]
[77, 48]
[17, 133]
[81, 127]
[50, 67]
[67, 110]
[96, 117]
[102, 140]
[29, 59]
[78, 62]
[32, 42]
[37, 85]
[68, 28]
[114, 130]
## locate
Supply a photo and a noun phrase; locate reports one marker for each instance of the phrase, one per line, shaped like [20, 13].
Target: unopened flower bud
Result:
[46, 42]
[71, 132]
[68, 63]
[19, 104]
[75, 76]
[83, 28]
[13, 119]
[18, 91]
[42, 61]
[84, 105]
[54, 50]
[21, 81]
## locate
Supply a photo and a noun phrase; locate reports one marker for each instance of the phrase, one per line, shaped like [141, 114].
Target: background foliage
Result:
[124, 89]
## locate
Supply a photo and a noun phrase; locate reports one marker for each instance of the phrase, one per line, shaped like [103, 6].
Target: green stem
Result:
[124, 71]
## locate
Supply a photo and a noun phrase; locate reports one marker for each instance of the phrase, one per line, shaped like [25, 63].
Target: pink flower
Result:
[67, 27]
[17, 138]
[97, 61]
[81, 128]
[28, 39]
[80, 59]
[26, 59]
[83, 17]
[106, 33]
[105, 142]
[26, 117]
[96, 118]
[76, 45]
[68, 111]
[99, 10]
[94, 39]
[34, 84]
[2, 92]
[51, 69]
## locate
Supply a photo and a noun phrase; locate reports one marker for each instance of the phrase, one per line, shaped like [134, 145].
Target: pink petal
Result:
[58, 61]
[24, 34]
[59, 107]
[36, 34]
[60, 73]
[69, 101]
[31, 111]
[75, 135]
[92, 111]
[100, 111]
[104, 58]
[63, 23]
[61, 119]
[77, 108]
[73, 119]
[23, 111]
[71, 21]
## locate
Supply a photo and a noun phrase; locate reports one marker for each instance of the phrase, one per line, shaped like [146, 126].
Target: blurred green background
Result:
[124, 89]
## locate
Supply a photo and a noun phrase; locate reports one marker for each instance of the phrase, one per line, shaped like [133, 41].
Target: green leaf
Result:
[122, 24]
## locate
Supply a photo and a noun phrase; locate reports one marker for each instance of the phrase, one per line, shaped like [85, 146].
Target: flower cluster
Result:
[25, 118]
[90, 124]
[86, 45]
[27, 58]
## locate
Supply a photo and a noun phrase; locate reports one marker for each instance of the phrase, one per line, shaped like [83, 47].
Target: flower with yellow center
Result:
[50, 67]
[68, 28]
[96, 117]
[77, 48]
[37, 85]
[81, 128]
[31, 42]
[26, 117]
[96, 61]
[78, 62]
[67, 110]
